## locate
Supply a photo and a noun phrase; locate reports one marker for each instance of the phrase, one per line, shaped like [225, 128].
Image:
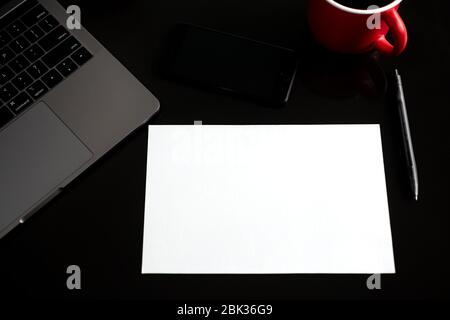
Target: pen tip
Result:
[416, 197]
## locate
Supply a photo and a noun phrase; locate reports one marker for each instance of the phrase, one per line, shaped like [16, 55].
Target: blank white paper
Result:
[266, 199]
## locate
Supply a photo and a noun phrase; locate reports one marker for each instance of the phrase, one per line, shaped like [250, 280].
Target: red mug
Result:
[347, 30]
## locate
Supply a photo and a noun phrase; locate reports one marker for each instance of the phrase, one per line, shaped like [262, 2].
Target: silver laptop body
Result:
[61, 109]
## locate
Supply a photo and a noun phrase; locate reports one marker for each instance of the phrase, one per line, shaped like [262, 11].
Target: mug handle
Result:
[399, 35]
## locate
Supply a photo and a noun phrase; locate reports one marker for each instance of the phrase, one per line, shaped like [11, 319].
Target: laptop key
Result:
[37, 70]
[34, 34]
[5, 116]
[67, 67]
[16, 28]
[33, 53]
[55, 56]
[37, 90]
[53, 38]
[6, 54]
[22, 81]
[19, 44]
[20, 103]
[19, 64]
[48, 23]
[52, 78]
[6, 74]
[20, 8]
[4, 38]
[34, 15]
[7, 92]
[81, 56]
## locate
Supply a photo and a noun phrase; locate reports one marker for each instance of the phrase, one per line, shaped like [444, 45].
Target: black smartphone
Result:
[221, 61]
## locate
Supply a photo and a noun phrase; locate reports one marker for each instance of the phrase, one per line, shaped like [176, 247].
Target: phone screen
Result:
[231, 63]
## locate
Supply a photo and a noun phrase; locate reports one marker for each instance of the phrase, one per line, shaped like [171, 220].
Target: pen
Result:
[407, 139]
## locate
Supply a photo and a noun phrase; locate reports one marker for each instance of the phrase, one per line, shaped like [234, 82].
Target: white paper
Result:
[266, 199]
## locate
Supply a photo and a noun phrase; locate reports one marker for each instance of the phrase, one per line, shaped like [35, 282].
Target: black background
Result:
[97, 223]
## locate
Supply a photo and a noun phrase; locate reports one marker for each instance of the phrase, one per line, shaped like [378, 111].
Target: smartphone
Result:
[225, 62]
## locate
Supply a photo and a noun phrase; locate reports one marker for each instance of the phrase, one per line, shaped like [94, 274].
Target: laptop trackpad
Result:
[37, 153]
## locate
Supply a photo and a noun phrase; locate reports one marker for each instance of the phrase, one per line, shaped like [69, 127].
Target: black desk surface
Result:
[97, 223]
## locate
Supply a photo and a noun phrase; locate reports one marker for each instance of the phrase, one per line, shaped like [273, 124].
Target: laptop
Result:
[64, 102]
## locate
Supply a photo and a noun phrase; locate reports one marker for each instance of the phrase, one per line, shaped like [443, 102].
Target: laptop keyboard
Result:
[36, 54]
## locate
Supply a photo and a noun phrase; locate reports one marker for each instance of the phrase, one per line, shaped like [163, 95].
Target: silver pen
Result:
[407, 139]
